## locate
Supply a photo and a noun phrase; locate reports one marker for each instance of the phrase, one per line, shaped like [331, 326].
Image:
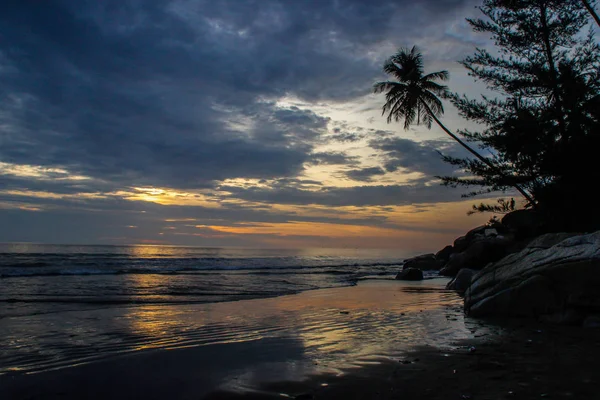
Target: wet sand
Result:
[376, 340]
[517, 361]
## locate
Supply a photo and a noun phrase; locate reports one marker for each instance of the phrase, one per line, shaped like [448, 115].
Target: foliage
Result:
[544, 126]
[414, 97]
[503, 207]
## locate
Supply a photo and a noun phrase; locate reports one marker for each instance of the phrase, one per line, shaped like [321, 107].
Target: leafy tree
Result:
[503, 206]
[590, 8]
[544, 125]
[415, 97]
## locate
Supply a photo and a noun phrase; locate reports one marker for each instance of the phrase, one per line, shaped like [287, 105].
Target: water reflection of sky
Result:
[317, 331]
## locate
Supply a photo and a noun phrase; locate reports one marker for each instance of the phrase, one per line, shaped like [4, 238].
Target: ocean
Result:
[64, 306]
[37, 278]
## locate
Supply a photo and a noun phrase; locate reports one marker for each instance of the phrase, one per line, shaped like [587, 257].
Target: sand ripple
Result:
[323, 329]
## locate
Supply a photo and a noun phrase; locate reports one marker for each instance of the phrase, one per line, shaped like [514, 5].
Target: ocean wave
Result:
[166, 298]
[82, 270]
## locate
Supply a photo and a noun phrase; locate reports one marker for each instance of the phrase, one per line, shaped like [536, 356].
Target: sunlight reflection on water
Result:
[330, 329]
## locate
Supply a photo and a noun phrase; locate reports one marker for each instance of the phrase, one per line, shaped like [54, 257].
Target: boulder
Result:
[461, 244]
[474, 235]
[462, 280]
[525, 223]
[550, 239]
[481, 252]
[410, 274]
[490, 232]
[444, 254]
[593, 321]
[558, 283]
[480, 230]
[424, 262]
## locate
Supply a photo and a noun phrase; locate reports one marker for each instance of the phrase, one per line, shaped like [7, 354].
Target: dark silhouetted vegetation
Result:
[542, 125]
[503, 206]
[590, 7]
[415, 97]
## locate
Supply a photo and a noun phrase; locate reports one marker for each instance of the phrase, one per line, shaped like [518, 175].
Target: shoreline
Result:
[381, 340]
[521, 360]
[515, 360]
[281, 338]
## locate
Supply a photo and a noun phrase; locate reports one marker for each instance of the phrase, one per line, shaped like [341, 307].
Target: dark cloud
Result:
[146, 91]
[364, 174]
[346, 137]
[183, 94]
[70, 220]
[333, 158]
[376, 195]
[412, 156]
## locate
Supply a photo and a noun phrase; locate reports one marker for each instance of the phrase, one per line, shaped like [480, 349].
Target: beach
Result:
[238, 345]
[378, 339]
[188, 323]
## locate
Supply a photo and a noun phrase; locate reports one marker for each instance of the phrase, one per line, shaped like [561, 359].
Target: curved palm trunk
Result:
[591, 10]
[479, 156]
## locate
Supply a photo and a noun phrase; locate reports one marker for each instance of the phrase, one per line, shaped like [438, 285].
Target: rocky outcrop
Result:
[476, 249]
[462, 280]
[481, 251]
[525, 223]
[491, 242]
[444, 254]
[558, 282]
[550, 239]
[426, 262]
[410, 274]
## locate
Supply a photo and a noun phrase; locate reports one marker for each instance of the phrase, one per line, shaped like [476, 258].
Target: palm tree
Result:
[588, 6]
[416, 96]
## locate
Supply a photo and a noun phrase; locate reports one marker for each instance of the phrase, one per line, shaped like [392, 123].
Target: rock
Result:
[461, 244]
[447, 272]
[461, 282]
[410, 274]
[474, 235]
[558, 282]
[424, 262]
[550, 239]
[422, 256]
[566, 317]
[593, 321]
[525, 223]
[480, 253]
[444, 254]
[480, 230]
[490, 232]
[529, 298]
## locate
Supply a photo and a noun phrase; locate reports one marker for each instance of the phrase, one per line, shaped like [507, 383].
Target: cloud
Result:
[412, 156]
[364, 174]
[188, 95]
[359, 196]
[333, 158]
[146, 92]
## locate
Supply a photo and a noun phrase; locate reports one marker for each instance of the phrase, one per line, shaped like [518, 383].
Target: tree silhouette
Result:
[415, 97]
[544, 123]
[591, 10]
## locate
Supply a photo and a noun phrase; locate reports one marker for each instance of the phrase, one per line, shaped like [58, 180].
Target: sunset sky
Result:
[224, 123]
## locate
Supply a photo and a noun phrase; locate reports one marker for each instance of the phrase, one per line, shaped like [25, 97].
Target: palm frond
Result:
[433, 102]
[440, 75]
[413, 97]
[440, 90]
[391, 68]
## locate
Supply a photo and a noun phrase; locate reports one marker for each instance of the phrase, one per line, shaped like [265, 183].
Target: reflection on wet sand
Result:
[285, 338]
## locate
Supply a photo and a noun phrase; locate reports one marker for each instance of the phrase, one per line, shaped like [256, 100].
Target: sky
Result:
[225, 123]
